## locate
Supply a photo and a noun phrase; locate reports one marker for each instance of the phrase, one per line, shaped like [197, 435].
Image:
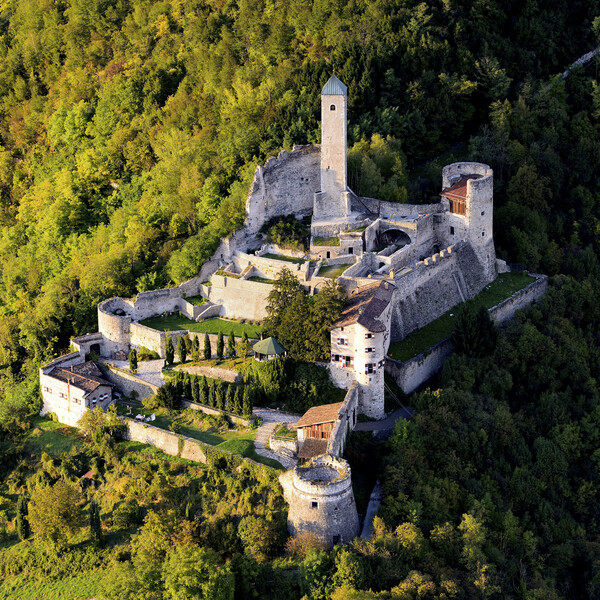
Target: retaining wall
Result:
[240, 298]
[127, 382]
[213, 372]
[209, 410]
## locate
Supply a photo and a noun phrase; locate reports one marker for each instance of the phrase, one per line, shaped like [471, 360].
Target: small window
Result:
[451, 230]
[482, 213]
[329, 253]
[314, 504]
[483, 234]
[332, 107]
[368, 336]
[350, 250]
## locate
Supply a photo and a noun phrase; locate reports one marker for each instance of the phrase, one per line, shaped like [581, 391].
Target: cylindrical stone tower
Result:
[321, 500]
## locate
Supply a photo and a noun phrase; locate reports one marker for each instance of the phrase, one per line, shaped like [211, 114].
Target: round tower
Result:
[333, 200]
[321, 500]
[469, 190]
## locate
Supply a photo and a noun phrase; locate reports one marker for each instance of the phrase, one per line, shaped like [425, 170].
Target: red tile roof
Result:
[458, 190]
[366, 304]
[319, 414]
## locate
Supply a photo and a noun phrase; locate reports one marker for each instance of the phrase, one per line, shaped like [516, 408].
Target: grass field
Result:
[260, 279]
[319, 241]
[418, 341]
[291, 259]
[333, 272]
[197, 300]
[82, 585]
[176, 322]
[52, 437]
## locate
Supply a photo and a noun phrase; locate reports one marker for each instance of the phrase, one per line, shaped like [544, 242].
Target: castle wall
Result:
[283, 186]
[128, 382]
[155, 340]
[346, 422]
[208, 410]
[393, 210]
[269, 267]
[240, 298]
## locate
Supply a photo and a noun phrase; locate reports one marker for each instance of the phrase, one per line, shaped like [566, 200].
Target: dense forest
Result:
[129, 133]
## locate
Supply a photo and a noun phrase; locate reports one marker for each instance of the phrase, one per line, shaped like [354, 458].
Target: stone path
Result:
[372, 508]
[271, 420]
[387, 423]
[149, 371]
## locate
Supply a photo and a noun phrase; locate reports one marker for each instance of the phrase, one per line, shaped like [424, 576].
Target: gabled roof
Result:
[312, 447]
[334, 87]
[319, 414]
[269, 346]
[86, 376]
[458, 190]
[366, 304]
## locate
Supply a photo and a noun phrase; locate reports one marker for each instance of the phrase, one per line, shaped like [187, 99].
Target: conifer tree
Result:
[247, 402]
[170, 352]
[220, 395]
[204, 392]
[95, 525]
[179, 383]
[181, 349]
[23, 528]
[187, 386]
[207, 348]
[211, 394]
[237, 405]
[231, 345]
[195, 388]
[133, 361]
[196, 349]
[220, 346]
[229, 398]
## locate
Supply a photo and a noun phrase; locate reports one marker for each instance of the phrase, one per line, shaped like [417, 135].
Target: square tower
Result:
[333, 200]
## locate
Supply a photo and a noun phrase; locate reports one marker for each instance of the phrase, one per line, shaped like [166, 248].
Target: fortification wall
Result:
[522, 299]
[140, 335]
[341, 378]
[128, 382]
[268, 267]
[214, 372]
[345, 424]
[83, 343]
[208, 410]
[66, 360]
[383, 208]
[284, 186]
[241, 299]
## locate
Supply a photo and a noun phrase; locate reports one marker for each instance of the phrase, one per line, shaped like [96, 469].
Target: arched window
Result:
[332, 107]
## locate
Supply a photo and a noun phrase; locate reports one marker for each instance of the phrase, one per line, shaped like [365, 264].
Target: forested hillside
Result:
[129, 133]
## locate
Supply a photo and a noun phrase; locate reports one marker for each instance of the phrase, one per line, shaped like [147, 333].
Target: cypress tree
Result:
[179, 382]
[247, 402]
[196, 349]
[211, 394]
[133, 361]
[181, 349]
[229, 398]
[23, 528]
[195, 388]
[188, 386]
[220, 346]
[95, 525]
[203, 395]
[231, 345]
[207, 348]
[237, 406]
[220, 395]
[170, 352]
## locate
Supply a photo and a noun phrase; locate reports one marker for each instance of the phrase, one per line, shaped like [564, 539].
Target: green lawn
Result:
[81, 585]
[176, 322]
[505, 285]
[319, 241]
[291, 259]
[260, 279]
[333, 272]
[197, 300]
[52, 437]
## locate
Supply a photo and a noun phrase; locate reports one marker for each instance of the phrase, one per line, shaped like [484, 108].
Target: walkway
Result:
[387, 423]
[374, 503]
[149, 371]
[271, 420]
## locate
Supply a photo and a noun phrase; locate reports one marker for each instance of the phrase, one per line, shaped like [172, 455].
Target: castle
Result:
[404, 266]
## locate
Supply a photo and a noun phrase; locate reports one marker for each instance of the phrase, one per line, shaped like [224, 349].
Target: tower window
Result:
[482, 213]
[332, 107]
[451, 230]
[483, 234]
[314, 504]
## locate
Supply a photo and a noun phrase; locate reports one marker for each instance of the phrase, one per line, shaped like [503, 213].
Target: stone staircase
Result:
[209, 309]
[263, 433]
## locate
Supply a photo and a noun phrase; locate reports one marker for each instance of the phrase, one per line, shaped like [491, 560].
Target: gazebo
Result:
[268, 349]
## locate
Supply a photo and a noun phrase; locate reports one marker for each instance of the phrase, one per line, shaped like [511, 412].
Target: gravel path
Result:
[271, 420]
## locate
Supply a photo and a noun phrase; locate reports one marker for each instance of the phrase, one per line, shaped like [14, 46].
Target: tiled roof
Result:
[312, 447]
[86, 376]
[366, 305]
[458, 190]
[319, 414]
[334, 87]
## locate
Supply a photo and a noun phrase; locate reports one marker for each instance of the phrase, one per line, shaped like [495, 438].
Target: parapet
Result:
[452, 173]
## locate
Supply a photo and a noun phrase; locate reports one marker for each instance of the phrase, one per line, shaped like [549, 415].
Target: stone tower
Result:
[321, 500]
[333, 200]
[469, 190]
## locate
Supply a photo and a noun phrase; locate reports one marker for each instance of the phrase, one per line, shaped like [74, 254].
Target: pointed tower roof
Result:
[334, 87]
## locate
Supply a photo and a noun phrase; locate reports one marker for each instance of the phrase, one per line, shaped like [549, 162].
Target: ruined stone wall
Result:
[283, 186]
[345, 424]
[385, 209]
[268, 267]
[522, 299]
[240, 299]
[128, 382]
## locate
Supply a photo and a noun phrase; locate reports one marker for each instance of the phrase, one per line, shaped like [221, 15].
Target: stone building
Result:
[321, 500]
[70, 386]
